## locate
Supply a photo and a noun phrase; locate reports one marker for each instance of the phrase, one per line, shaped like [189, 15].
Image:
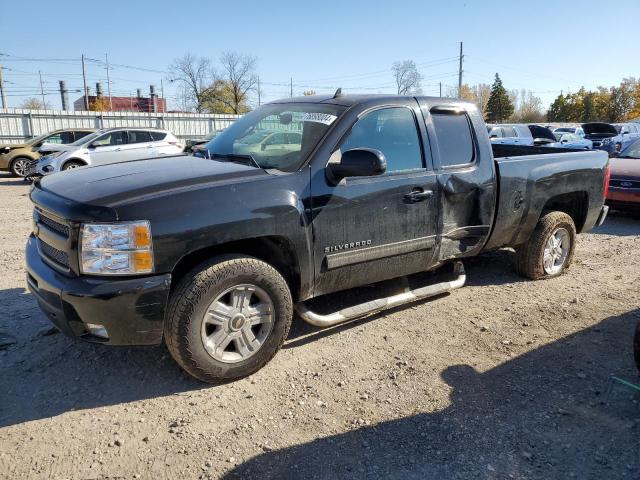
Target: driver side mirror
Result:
[358, 162]
[93, 145]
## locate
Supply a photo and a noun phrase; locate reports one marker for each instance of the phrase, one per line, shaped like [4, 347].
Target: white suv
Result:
[111, 145]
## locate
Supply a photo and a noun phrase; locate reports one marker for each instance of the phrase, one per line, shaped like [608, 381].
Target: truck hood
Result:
[598, 128]
[119, 183]
[625, 167]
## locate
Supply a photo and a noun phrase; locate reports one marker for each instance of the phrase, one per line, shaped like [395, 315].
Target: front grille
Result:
[53, 225]
[58, 256]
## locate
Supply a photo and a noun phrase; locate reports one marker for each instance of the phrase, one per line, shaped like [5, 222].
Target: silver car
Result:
[111, 145]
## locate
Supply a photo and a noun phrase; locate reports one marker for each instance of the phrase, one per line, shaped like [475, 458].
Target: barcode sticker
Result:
[325, 118]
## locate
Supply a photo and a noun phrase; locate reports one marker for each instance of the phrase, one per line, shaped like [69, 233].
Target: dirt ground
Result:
[504, 378]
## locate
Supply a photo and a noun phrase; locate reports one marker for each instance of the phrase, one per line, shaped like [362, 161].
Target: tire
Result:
[189, 326]
[19, 165]
[636, 346]
[530, 257]
[71, 164]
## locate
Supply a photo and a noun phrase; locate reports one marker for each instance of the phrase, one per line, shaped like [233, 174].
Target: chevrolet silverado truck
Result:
[213, 254]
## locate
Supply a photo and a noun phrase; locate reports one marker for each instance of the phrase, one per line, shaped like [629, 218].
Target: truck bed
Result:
[531, 179]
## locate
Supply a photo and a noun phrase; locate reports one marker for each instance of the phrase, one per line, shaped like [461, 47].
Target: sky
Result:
[544, 46]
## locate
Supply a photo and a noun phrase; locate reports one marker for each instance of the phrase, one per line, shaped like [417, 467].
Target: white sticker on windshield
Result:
[325, 118]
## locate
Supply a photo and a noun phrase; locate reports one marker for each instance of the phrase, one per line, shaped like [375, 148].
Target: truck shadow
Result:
[545, 414]
[620, 224]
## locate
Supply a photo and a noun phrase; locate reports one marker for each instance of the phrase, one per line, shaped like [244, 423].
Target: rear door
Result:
[368, 229]
[466, 178]
[141, 145]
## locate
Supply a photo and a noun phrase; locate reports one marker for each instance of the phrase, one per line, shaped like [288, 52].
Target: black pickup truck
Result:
[297, 199]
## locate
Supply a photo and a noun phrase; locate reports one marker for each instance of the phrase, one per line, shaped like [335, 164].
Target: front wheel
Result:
[20, 166]
[227, 318]
[549, 250]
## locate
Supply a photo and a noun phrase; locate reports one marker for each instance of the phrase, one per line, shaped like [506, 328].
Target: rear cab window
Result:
[454, 138]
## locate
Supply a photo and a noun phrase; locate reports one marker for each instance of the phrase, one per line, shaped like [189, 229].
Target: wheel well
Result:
[74, 160]
[574, 204]
[274, 250]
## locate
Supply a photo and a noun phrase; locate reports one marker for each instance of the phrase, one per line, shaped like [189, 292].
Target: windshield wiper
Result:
[244, 159]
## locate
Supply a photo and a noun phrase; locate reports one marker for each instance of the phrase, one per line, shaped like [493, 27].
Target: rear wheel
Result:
[227, 318]
[72, 164]
[549, 251]
[20, 166]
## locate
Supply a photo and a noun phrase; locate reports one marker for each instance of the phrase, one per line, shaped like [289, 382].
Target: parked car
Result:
[577, 130]
[520, 134]
[627, 133]
[191, 143]
[214, 254]
[17, 157]
[572, 140]
[111, 145]
[624, 186]
[597, 132]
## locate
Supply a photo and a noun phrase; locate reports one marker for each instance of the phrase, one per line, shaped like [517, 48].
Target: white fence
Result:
[17, 125]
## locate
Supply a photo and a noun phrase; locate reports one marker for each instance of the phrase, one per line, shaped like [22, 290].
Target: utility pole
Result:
[258, 91]
[86, 90]
[162, 92]
[291, 87]
[2, 95]
[460, 72]
[440, 89]
[106, 58]
[63, 95]
[44, 103]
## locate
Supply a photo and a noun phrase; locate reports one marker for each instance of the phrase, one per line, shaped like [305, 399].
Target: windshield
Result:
[565, 130]
[278, 136]
[632, 151]
[88, 139]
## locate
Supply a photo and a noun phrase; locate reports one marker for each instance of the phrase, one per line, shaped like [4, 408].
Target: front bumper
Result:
[130, 309]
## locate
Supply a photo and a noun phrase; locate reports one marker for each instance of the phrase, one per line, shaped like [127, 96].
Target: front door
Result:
[110, 147]
[368, 229]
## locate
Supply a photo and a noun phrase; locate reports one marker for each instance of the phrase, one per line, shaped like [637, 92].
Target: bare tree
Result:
[408, 79]
[482, 91]
[529, 108]
[196, 76]
[308, 93]
[238, 78]
[34, 104]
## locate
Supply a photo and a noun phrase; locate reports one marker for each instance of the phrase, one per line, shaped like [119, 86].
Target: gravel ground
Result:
[504, 378]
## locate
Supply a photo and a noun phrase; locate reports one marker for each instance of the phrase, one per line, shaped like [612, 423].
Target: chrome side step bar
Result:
[381, 304]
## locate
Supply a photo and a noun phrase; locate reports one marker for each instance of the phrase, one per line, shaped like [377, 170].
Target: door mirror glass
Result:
[358, 162]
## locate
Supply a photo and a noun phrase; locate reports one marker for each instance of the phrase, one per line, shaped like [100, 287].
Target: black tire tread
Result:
[188, 293]
[528, 259]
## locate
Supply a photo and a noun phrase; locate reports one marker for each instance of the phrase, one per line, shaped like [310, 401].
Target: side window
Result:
[393, 132]
[455, 141]
[67, 137]
[77, 135]
[139, 136]
[157, 136]
[509, 132]
[112, 139]
[55, 138]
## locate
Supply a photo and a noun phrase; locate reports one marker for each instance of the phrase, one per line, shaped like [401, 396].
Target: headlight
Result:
[116, 248]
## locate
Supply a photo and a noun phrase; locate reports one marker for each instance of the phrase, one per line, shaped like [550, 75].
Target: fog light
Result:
[97, 330]
[47, 168]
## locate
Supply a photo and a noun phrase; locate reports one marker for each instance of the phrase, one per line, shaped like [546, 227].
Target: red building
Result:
[126, 104]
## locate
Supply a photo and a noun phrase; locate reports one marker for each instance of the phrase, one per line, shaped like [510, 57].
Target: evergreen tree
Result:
[499, 106]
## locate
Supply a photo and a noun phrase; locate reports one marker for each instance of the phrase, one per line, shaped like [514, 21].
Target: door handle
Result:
[417, 195]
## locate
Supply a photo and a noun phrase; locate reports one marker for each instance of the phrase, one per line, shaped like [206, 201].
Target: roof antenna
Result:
[338, 93]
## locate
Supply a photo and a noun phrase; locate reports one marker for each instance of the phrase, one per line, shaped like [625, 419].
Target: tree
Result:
[238, 79]
[408, 79]
[100, 104]
[499, 107]
[196, 77]
[482, 91]
[557, 110]
[308, 93]
[529, 108]
[220, 99]
[34, 104]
